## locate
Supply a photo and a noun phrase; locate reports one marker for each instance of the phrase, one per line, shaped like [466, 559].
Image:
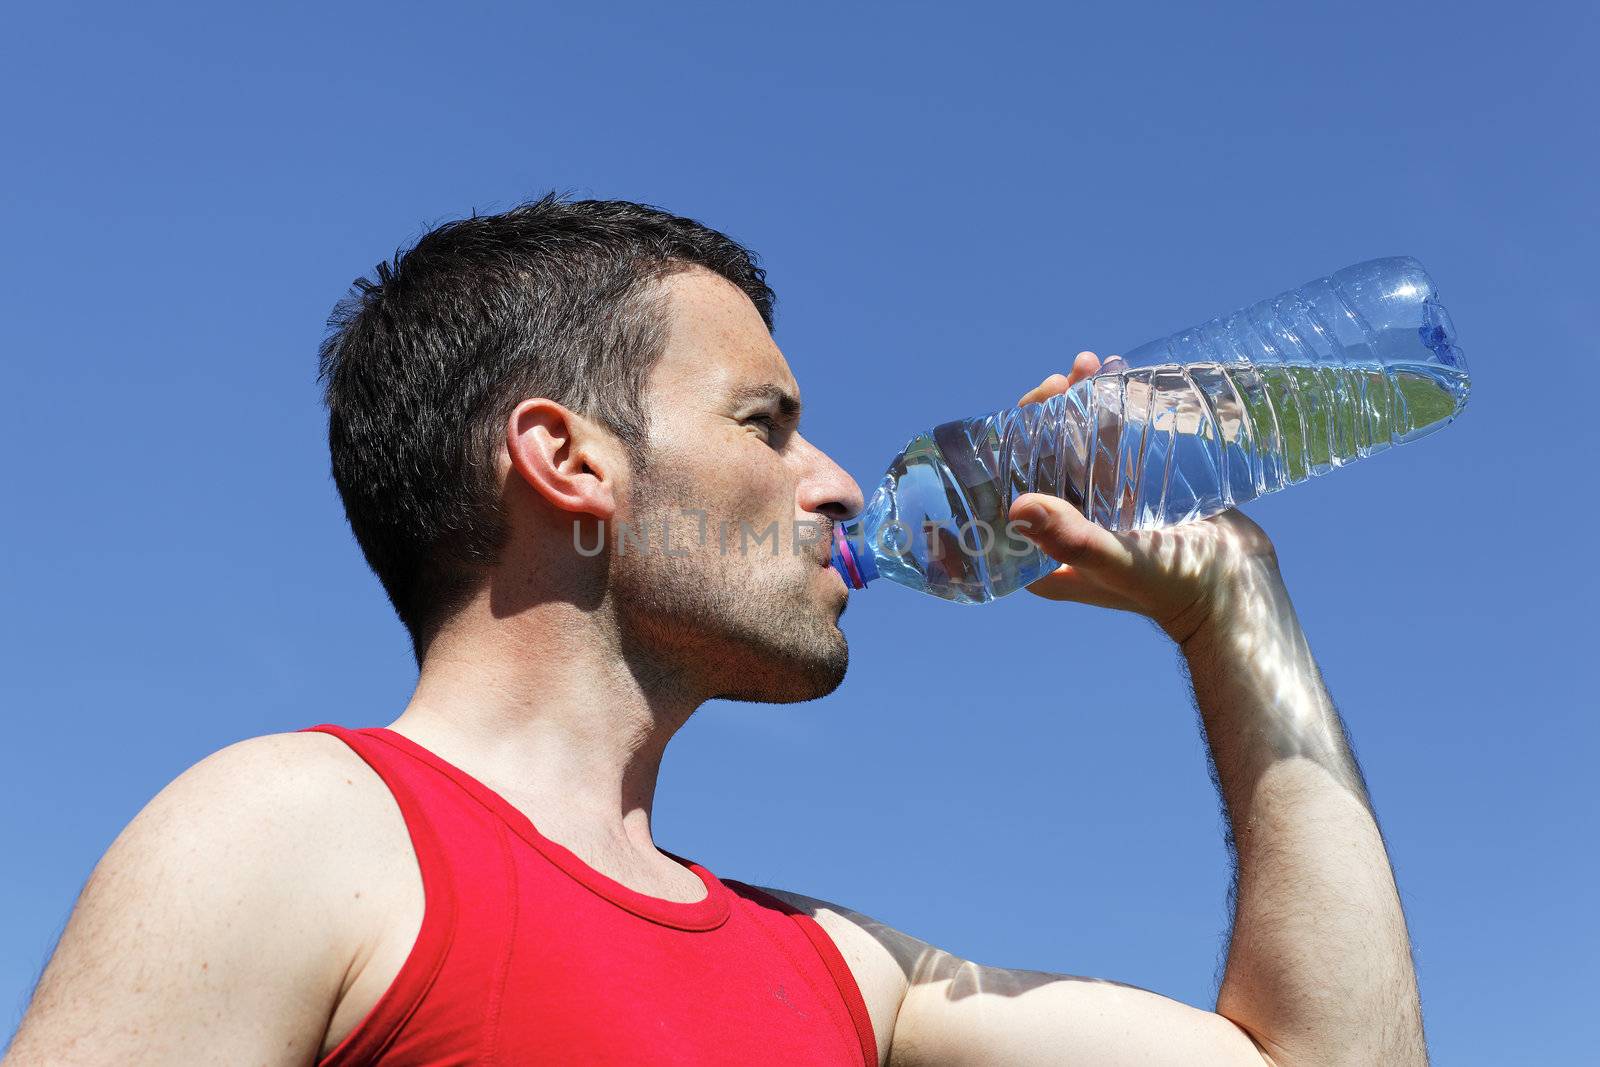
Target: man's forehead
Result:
[717, 343]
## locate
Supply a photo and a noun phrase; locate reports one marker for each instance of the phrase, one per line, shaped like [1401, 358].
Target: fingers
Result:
[1056, 383]
[1066, 536]
[1086, 365]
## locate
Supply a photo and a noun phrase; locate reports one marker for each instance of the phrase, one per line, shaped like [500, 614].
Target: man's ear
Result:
[567, 459]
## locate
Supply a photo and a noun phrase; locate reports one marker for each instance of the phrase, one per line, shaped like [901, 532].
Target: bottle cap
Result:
[857, 568]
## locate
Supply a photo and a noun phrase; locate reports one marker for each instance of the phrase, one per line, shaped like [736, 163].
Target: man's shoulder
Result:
[299, 793]
[291, 783]
[875, 939]
[278, 761]
[243, 892]
[274, 808]
[881, 959]
[268, 760]
[279, 825]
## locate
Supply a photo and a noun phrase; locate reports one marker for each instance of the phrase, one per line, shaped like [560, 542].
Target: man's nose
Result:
[827, 489]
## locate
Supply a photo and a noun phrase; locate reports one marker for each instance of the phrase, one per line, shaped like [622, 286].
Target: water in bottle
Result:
[1175, 431]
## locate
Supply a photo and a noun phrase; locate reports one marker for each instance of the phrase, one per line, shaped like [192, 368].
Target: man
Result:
[520, 409]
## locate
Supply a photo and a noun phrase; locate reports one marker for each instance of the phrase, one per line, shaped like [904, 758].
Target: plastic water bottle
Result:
[1177, 430]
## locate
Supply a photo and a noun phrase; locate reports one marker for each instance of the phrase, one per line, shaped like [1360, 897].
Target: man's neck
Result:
[546, 709]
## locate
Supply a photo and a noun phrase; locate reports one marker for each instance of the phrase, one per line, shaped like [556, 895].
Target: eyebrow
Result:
[788, 404]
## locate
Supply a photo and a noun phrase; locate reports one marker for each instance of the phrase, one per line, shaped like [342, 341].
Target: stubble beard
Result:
[733, 626]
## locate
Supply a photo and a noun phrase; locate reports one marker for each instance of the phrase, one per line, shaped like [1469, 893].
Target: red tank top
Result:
[528, 955]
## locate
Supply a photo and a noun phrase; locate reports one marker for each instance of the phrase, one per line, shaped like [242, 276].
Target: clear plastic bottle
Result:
[1177, 430]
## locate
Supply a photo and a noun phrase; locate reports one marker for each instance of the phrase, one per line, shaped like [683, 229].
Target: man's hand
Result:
[1182, 577]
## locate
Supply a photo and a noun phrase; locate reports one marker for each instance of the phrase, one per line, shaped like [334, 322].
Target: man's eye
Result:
[774, 431]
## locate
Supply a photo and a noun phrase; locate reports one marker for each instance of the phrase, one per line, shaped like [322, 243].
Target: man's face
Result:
[740, 593]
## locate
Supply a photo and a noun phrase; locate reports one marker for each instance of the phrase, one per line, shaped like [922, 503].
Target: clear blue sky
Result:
[952, 200]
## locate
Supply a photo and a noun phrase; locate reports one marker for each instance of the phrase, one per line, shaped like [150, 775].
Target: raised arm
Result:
[1319, 964]
[1319, 968]
[216, 928]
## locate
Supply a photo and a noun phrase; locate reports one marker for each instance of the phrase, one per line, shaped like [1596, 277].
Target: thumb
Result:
[1066, 535]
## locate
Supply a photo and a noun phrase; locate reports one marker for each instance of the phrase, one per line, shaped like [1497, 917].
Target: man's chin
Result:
[788, 680]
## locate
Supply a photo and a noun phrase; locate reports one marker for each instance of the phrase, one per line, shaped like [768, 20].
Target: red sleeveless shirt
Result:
[529, 955]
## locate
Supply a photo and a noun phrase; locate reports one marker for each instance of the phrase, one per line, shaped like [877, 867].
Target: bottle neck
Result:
[853, 559]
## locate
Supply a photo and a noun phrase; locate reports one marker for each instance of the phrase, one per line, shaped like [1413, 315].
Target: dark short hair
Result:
[424, 364]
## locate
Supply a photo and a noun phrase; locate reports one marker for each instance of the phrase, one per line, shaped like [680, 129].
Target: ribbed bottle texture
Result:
[1177, 430]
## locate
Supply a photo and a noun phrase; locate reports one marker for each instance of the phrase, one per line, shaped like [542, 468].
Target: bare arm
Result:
[1319, 965]
[209, 932]
[1319, 968]
[931, 1008]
